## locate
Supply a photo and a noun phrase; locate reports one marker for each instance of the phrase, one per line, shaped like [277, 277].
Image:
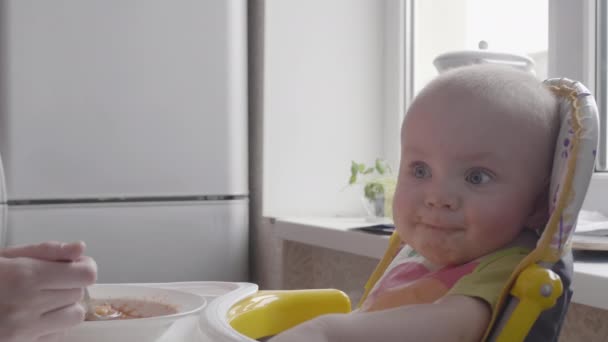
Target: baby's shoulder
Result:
[507, 257]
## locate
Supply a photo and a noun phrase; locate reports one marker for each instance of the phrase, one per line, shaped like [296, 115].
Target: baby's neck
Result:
[527, 239]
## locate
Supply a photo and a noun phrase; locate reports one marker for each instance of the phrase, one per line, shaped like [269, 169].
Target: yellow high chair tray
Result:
[534, 288]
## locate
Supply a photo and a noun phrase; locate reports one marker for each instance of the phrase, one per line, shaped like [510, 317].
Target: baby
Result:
[476, 154]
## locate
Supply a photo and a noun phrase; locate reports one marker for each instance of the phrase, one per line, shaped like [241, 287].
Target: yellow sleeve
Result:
[489, 277]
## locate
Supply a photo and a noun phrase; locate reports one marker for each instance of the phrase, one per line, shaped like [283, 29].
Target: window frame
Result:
[575, 50]
[399, 81]
[601, 78]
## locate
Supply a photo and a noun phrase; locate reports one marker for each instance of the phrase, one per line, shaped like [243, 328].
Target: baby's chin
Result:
[446, 258]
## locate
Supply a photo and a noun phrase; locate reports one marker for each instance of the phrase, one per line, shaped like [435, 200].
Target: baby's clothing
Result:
[411, 279]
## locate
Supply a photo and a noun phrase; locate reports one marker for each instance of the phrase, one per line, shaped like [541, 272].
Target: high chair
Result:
[534, 301]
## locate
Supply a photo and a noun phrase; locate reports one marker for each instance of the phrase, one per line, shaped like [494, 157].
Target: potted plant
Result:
[378, 187]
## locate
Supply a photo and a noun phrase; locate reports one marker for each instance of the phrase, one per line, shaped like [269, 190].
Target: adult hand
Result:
[40, 289]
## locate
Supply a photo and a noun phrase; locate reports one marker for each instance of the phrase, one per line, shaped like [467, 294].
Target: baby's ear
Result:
[540, 212]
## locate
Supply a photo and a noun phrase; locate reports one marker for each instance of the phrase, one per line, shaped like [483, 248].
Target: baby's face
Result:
[468, 181]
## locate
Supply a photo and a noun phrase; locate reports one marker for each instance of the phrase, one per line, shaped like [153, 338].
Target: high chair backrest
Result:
[573, 165]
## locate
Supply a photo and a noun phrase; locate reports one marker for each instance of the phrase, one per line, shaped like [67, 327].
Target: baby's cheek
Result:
[398, 202]
[497, 224]
[491, 212]
[403, 208]
[407, 196]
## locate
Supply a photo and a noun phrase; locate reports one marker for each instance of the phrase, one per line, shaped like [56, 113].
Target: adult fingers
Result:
[52, 275]
[50, 250]
[61, 319]
[56, 275]
[50, 300]
[26, 276]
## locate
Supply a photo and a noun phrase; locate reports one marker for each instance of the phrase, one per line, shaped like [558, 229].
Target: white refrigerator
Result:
[123, 123]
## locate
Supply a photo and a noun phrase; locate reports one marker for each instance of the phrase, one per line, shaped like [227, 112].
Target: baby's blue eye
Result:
[477, 177]
[421, 171]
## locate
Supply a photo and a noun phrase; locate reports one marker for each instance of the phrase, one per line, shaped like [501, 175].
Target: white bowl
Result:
[138, 329]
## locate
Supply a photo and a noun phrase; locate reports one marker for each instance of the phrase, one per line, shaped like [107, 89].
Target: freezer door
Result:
[105, 98]
[161, 242]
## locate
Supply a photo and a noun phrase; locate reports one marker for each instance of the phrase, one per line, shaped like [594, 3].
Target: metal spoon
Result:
[92, 312]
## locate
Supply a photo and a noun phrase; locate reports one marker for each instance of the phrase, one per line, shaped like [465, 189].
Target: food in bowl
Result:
[149, 313]
[125, 308]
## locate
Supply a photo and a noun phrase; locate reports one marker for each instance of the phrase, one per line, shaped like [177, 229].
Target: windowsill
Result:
[590, 274]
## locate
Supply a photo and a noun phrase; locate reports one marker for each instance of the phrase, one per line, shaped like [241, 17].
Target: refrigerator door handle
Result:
[3, 206]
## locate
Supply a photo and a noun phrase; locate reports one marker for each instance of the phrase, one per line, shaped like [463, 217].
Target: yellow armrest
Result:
[267, 313]
[537, 289]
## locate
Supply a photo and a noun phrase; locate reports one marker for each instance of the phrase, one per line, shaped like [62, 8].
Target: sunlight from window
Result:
[516, 26]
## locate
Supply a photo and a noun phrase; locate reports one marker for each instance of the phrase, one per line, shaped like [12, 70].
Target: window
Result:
[441, 26]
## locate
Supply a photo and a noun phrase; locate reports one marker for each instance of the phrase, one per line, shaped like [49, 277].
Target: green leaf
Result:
[368, 171]
[380, 166]
[373, 190]
[354, 171]
[361, 167]
[354, 168]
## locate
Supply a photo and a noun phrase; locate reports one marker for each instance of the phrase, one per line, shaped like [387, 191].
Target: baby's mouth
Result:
[440, 227]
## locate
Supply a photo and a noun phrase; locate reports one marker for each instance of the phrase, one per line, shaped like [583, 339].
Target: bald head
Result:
[496, 90]
[493, 98]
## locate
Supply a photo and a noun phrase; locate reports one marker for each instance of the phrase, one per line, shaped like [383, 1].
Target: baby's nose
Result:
[442, 201]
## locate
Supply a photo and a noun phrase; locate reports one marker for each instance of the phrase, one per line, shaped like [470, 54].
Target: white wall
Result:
[323, 102]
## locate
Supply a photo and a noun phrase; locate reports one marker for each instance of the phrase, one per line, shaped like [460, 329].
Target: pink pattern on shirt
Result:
[409, 272]
[400, 275]
[403, 274]
[450, 275]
